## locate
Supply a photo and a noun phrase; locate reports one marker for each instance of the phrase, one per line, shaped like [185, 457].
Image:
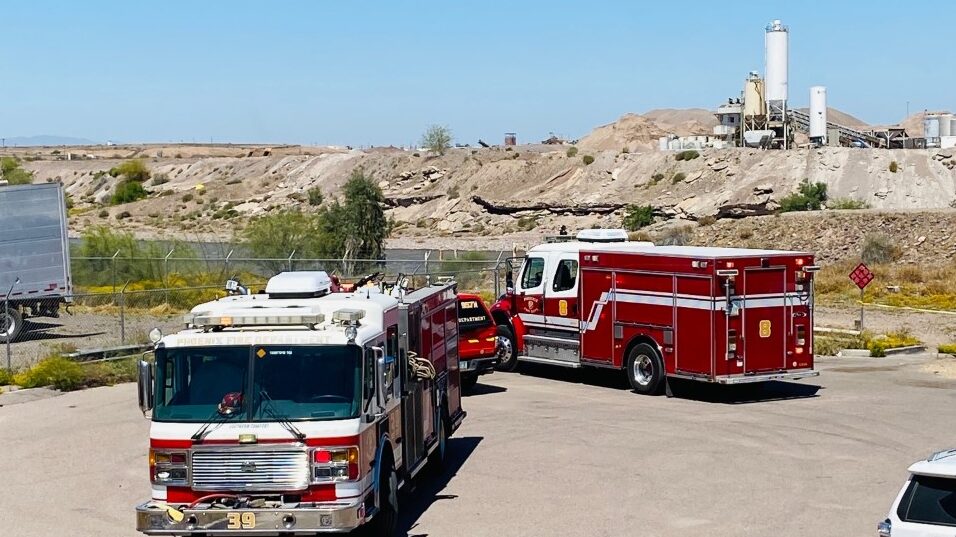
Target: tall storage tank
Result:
[818, 113]
[946, 125]
[755, 103]
[776, 48]
[931, 127]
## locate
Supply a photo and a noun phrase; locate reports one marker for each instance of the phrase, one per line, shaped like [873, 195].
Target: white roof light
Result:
[257, 317]
[299, 284]
[602, 235]
[347, 315]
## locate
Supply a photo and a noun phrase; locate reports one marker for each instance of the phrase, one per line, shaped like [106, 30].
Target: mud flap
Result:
[667, 387]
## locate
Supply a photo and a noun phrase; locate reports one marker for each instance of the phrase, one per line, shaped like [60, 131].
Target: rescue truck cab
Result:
[298, 410]
[720, 315]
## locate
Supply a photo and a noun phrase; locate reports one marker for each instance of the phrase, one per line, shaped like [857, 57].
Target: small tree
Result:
[128, 192]
[315, 196]
[638, 216]
[437, 139]
[809, 197]
[12, 173]
[131, 170]
[587, 160]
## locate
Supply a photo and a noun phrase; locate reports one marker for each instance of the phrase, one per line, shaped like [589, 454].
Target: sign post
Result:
[861, 276]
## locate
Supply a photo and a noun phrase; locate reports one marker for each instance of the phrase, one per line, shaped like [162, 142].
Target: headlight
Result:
[335, 464]
[168, 467]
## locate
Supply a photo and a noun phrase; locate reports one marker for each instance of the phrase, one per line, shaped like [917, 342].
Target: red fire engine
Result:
[298, 410]
[723, 315]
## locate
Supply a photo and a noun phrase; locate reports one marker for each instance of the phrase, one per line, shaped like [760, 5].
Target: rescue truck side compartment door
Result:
[764, 319]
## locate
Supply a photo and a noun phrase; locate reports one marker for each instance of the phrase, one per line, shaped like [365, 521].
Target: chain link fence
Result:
[117, 301]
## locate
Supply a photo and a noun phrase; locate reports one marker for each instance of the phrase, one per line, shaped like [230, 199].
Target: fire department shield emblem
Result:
[531, 304]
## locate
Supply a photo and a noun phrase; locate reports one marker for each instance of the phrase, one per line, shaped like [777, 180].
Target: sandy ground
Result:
[557, 452]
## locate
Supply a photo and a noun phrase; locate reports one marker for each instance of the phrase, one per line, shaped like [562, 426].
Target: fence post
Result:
[123, 315]
[428, 278]
[290, 260]
[166, 275]
[225, 266]
[6, 309]
[113, 269]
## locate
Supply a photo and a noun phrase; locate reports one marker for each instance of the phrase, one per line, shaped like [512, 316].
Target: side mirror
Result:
[144, 380]
[509, 280]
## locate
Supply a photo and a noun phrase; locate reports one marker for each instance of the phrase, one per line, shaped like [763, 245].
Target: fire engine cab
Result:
[298, 410]
[722, 315]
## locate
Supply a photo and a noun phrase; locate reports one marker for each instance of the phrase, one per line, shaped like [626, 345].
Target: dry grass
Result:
[920, 286]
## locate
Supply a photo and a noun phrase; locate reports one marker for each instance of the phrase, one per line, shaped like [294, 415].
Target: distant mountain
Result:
[45, 139]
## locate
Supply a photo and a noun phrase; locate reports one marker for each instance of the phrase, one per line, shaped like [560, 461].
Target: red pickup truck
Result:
[478, 341]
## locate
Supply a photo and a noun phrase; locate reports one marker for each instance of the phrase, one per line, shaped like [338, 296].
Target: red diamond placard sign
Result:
[862, 275]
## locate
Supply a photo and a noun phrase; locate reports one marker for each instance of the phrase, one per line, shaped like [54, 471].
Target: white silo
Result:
[946, 125]
[818, 114]
[931, 131]
[776, 48]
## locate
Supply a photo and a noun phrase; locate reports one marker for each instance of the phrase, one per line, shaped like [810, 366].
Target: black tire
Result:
[645, 369]
[436, 459]
[385, 523]
[468, 381]
[509, 357]
[11, 324]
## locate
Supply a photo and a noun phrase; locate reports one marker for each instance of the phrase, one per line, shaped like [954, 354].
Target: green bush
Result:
[61, 373]
[893, 340]
[187, 197]
[946, 348]
[656, 178]
[12, 173]
[879, 249]
[689, 154]
[678, 177]
[109, 373]
[315, 196]
[831, 344]
[847, 203]
[809, 197]
[6, 377]
[572, 151]
[894, 167]
[128, 192]
[638, 216]
[587, 160]
[527, 223]
[625, 150]
[132, 170]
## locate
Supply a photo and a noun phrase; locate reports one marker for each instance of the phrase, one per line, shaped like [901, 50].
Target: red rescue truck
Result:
[720, 315]
[299, 410]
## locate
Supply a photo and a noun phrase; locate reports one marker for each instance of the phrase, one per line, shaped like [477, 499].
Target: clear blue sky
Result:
[362, 73]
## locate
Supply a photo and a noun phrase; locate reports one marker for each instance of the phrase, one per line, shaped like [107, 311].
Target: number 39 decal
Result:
[241, 521]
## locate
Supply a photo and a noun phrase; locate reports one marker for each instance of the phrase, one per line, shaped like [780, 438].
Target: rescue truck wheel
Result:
[11, 322]
[645, 369]
[386, 520]
[508, 349]
[436, 460]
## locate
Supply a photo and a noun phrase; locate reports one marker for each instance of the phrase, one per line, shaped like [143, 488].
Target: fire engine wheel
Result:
[11, 323]
[468, 381]
[436, 460]
[386, 520]
[507, 349]
[645, 370]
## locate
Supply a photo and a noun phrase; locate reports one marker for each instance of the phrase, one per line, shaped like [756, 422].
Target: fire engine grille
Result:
[250, 469]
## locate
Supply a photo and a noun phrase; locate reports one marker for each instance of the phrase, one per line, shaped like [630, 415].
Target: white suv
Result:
[926, 506]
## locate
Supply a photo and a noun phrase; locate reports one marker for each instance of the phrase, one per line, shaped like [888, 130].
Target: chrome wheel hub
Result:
[643, 370]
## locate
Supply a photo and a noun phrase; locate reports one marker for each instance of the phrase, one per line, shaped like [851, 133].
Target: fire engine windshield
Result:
[293, 382]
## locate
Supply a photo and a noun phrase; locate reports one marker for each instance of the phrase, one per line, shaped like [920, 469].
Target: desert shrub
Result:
[437, 138]
[879, 249]
[12, 173]
[587, 160]
[894, 167]
[61, 373]
[104, 214]
[946, 348]
[678, 177]
[706, 221]
[6, 377]
[128, 192]
[625, 150]
[160, 179]
[131, 170]
[745, 233]
[892, 340]
[641, 236]
[689, 154]
[638, 216]
[315, 196]
[831, 344]
[675, 236]
[847, 203]
[509, 148]
[421, 223]
[123, 215]
[572, 151]
[656, 178]
[527, 223]
[187, 197]
[809, 197]
[452, 192]
[109, 373]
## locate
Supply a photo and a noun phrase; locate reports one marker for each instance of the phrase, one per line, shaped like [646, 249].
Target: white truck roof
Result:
[649, 248]
[939, 464]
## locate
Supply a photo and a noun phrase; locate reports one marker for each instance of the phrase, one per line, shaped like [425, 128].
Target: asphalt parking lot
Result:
[555, 452]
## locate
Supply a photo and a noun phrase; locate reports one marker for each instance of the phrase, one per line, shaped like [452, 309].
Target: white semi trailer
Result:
[34, 255]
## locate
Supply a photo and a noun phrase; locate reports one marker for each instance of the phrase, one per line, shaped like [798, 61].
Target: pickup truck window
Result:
[929, 500]
[472, 315]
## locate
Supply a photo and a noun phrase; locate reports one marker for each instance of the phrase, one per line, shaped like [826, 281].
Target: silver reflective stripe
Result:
[250, 469]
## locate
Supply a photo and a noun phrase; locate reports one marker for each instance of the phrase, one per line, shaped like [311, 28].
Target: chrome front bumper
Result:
[783, 375]
[153, 518]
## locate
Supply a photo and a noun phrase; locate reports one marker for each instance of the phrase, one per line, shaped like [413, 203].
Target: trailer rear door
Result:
[764, 319]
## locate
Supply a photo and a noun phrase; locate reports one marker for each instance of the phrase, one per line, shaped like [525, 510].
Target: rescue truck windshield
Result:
[301, 382]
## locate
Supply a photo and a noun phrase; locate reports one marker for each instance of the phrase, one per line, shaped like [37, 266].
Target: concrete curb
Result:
[912, 349]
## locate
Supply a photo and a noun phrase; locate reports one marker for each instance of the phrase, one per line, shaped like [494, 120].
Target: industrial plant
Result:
[763, 117]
